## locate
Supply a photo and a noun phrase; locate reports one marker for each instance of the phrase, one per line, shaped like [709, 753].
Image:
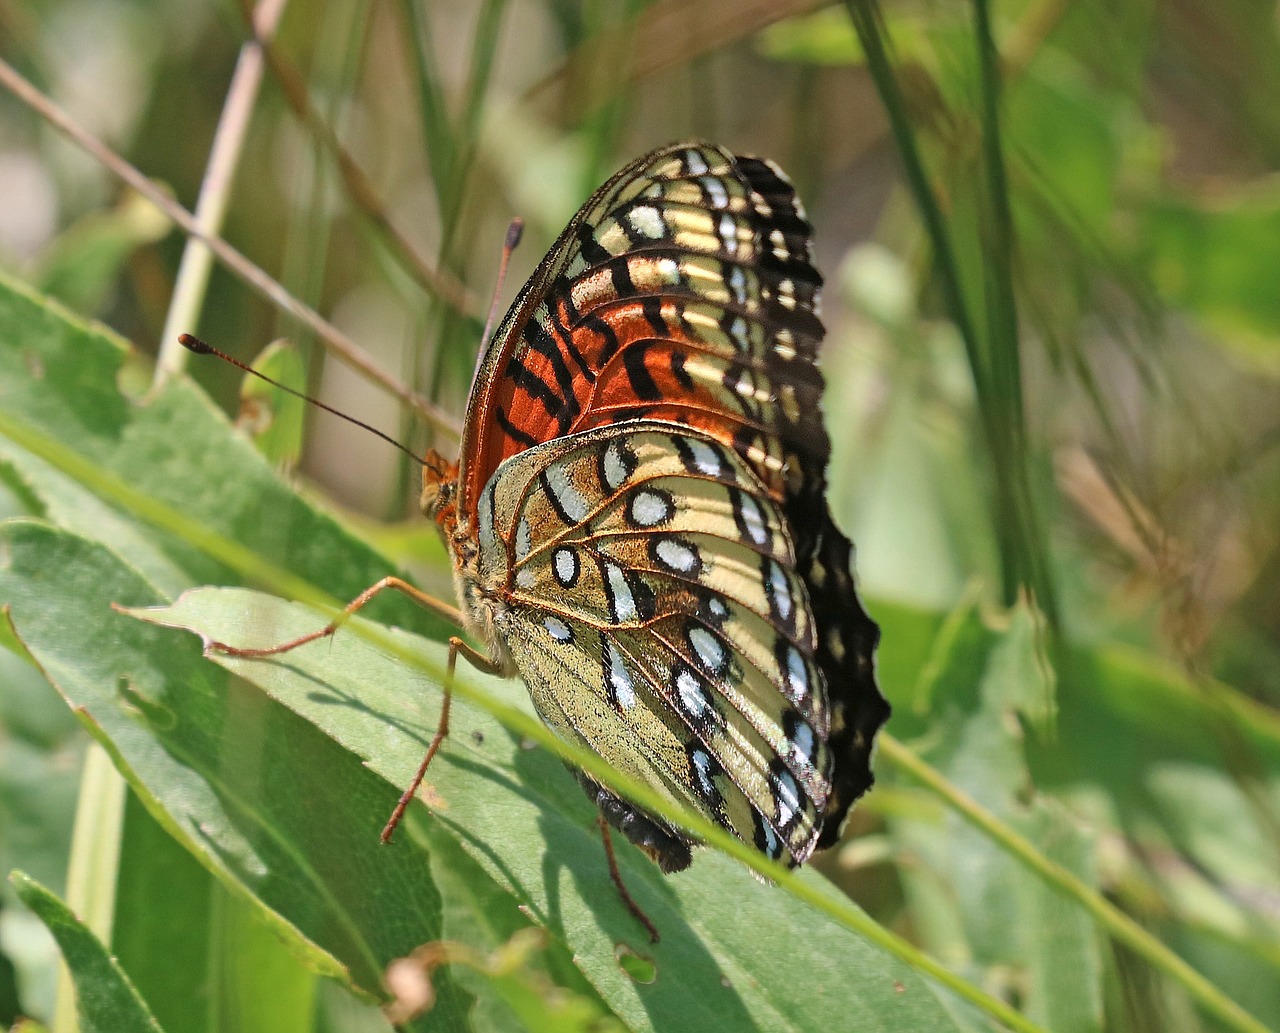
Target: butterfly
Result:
[637, 518]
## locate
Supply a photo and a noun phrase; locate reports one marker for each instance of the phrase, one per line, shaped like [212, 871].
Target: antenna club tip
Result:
[514, 231]
[194, 344]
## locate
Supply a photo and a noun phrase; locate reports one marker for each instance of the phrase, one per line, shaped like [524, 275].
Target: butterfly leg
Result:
[457, 648]
[420, 597]
[616, 876]
[480, 662]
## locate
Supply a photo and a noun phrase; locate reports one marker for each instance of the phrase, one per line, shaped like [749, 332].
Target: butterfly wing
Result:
[683, 290]
[648, 599]
[845, 654]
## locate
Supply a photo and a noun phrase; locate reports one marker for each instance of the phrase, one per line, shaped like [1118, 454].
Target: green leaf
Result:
[981, 904]
[58, 381]
[82, 264]
[1180, 771]
[1058, 940]
[191, 744]
[236, 973]
[295, 817]
[106, 1000]
[287, 815]
[163, 903]
[73, 506]
[39, 776]
[522, 818]
[512, 970]
[1213, 257]
[482, 914]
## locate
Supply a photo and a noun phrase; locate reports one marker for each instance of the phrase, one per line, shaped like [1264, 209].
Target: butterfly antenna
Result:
[514, 230]
[198, 346]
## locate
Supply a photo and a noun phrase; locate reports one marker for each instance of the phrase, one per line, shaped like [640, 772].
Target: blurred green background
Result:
[1053, 364]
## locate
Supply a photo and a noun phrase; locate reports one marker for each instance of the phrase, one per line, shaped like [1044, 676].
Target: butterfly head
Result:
[439, 488]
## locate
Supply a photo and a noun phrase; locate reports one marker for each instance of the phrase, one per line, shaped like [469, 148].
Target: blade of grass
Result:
[451, 141]
[318, 100]
[999, 407]
[612, 36]
[451, 149]
[865, 22]
[436, 129]
[92, 869]
[360, 189]
[651, 39]
[1004, 353]
[1116, 922]
[484, 48]
[108, 999]
[1006, 366]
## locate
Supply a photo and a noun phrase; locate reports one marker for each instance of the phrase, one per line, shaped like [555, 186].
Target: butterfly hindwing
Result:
[652, 610]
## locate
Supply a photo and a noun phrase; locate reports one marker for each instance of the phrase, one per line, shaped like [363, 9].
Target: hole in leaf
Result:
[635, 965]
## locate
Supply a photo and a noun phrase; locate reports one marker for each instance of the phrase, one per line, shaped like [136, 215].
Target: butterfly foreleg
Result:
[480, 662]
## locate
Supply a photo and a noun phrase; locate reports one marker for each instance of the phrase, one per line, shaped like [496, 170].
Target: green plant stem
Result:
[1116, 922]
[93, 866]
[215, 191]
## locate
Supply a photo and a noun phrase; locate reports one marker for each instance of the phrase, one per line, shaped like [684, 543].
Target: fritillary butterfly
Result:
[637, 519]
[638, 522]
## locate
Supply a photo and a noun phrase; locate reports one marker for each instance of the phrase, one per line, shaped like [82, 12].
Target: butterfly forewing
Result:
[651, 609]
[679, 291]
